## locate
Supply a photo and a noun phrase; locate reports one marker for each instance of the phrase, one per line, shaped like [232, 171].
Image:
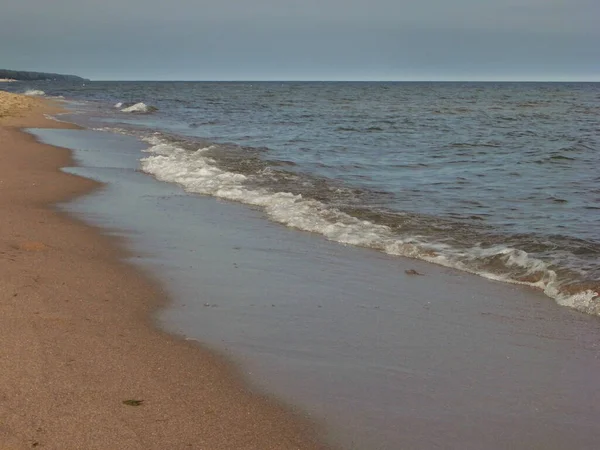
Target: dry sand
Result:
[15, 107]
[77, 335]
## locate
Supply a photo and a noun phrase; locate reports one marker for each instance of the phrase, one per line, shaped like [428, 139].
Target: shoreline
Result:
[346, 333]
[73, 351]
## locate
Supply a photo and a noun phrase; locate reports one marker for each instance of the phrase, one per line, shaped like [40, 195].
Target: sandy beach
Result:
[372, 356]
[82, 364]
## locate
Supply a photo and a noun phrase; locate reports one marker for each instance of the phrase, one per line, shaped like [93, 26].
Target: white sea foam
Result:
[113, 130]
[119, 105]
[198, 173]
[138, 108]
[56, 119]
[34, 92]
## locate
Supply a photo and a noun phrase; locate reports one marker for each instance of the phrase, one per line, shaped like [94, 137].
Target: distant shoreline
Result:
[25, 75]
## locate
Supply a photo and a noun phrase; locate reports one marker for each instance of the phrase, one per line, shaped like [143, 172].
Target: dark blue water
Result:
[498, 179]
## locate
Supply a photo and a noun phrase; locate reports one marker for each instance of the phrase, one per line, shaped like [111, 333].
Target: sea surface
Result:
[496, 179]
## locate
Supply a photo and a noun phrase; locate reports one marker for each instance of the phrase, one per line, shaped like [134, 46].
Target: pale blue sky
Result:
[307, 39]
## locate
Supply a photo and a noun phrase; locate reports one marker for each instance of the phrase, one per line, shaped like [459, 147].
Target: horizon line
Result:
[346, 81]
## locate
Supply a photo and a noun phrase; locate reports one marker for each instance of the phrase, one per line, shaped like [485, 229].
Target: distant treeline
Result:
[22, 75]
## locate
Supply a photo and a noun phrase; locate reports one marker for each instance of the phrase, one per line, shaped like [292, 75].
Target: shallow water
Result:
[497, 179]
[387, 360]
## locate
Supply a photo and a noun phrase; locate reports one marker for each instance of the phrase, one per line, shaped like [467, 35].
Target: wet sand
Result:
[81, 364]
[389, 359]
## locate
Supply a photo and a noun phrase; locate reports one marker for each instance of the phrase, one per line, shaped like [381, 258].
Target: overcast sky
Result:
[304, 39]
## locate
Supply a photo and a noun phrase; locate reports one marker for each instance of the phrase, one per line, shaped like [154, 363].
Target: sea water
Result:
[496, 179]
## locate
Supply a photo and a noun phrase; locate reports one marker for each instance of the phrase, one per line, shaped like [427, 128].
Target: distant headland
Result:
[22, 75]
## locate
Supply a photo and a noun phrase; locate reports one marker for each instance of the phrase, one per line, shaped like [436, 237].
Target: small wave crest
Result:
[34, 93]
[140, 108]
[198, 172]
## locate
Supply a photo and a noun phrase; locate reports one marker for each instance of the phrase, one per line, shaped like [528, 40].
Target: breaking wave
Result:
[140, 108]
[34, 92]
[197, 171]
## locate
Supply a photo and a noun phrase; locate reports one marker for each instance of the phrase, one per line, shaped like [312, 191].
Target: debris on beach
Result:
[413, 272]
